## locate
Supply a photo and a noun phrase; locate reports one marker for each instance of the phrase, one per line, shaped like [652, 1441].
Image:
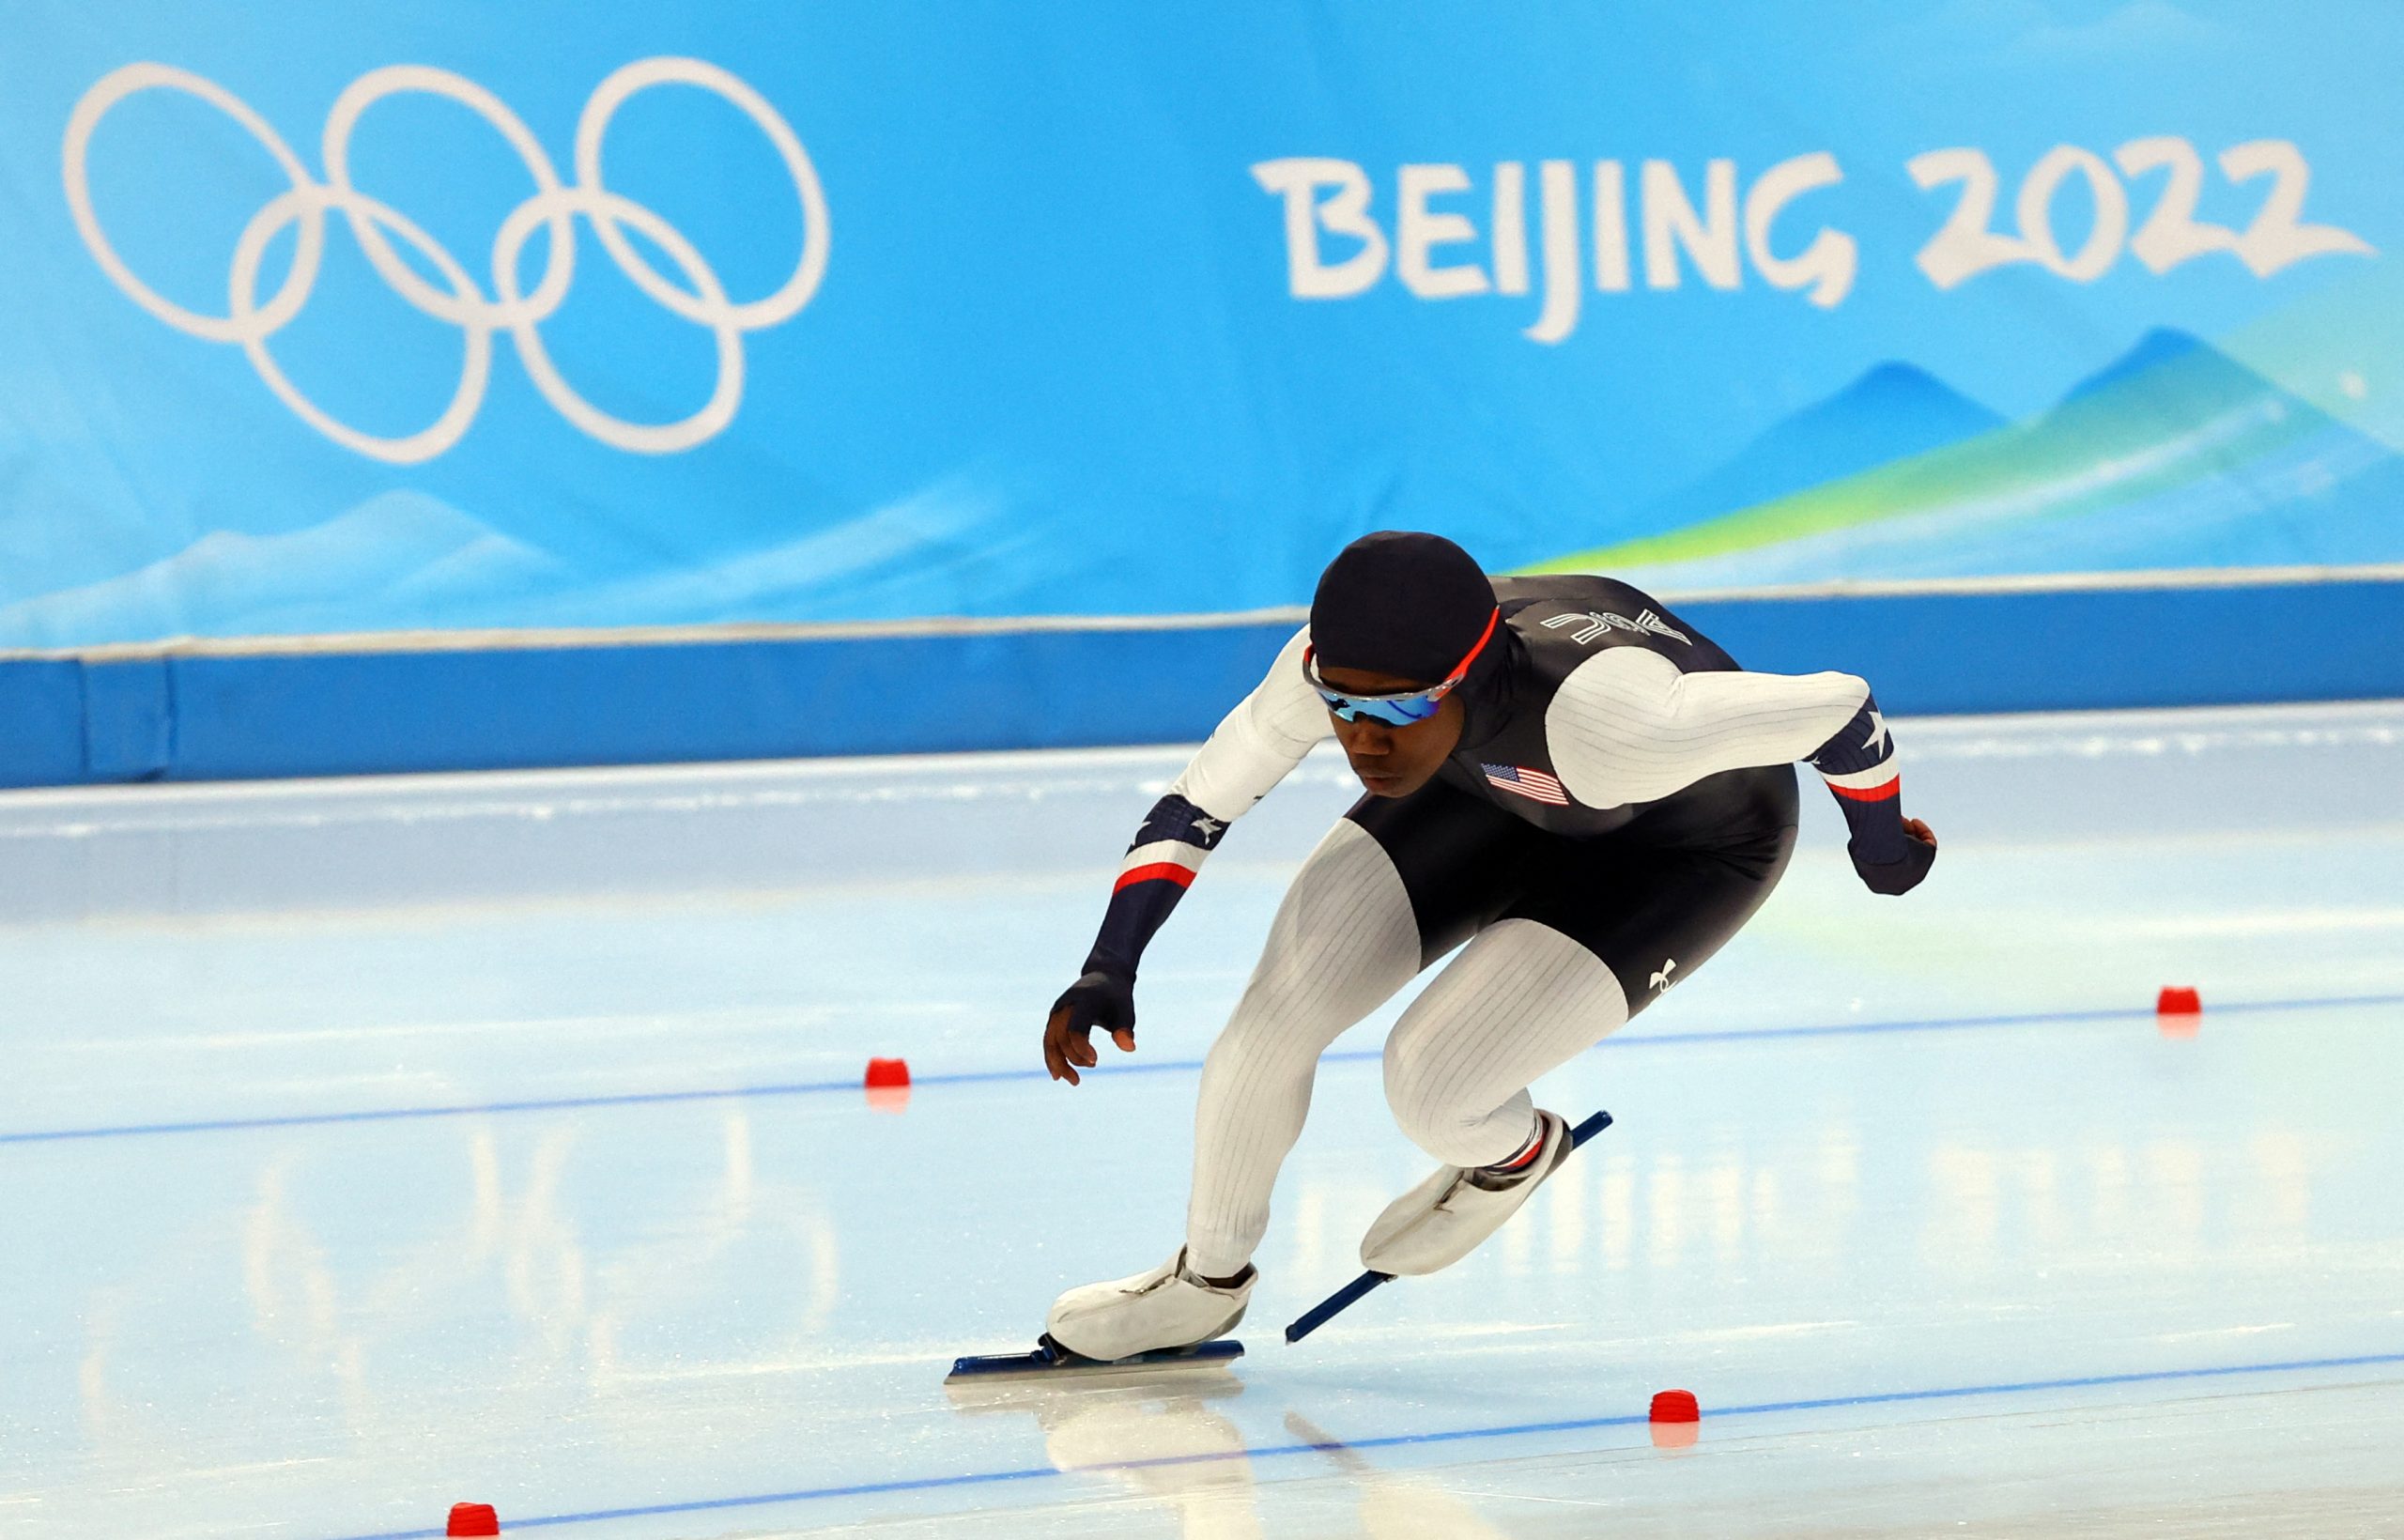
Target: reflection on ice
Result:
[1159, 1437]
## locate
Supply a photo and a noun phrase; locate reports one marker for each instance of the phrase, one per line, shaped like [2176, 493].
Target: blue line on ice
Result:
[815, 1088]
[982, 1478]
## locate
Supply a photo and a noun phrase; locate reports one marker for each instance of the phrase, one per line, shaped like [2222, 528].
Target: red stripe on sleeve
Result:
[1167, 871]
[1870, 794]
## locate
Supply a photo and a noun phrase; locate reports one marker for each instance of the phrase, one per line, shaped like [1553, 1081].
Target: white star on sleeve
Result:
[1878, 742]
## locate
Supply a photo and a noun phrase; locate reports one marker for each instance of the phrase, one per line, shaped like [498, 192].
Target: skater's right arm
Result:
[1259, 742]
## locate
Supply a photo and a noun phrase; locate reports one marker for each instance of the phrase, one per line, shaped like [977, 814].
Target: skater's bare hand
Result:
[1915, 827]
[1097, 1000]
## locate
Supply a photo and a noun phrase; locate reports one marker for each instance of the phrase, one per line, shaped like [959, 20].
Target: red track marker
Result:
[888, 1084]
[1676, 1420]
[1676, 1407]
[472, 1518]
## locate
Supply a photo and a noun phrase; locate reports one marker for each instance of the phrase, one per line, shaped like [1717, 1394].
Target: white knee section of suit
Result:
[1521, 998]
[1344, 941]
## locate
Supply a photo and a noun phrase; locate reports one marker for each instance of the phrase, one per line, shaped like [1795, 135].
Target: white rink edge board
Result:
[71, 810]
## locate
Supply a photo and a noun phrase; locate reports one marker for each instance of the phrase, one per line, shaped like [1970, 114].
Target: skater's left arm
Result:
[1252, 751]
[1630, 725]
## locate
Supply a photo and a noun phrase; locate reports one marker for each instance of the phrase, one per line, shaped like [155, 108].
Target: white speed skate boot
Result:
[1171, 1306]
[1443, 1218]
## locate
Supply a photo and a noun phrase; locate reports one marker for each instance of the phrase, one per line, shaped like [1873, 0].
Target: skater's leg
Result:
[1344, 941]
[1520, 999]
[1396, 884]
[1603, 931]
[1595, 938]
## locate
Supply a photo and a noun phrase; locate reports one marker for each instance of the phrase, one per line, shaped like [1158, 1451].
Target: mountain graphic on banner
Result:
[399, 561]
[405, 562]
[1891, 412]
[2171, 455]
[931, 552]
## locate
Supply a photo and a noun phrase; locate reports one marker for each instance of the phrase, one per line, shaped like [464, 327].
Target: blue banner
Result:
[447, 317]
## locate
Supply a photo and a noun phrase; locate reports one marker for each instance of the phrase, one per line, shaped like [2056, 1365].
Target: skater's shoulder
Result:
[1573, 589]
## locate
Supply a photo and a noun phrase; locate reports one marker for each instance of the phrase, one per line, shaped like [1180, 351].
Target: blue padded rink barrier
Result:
[369, 1146]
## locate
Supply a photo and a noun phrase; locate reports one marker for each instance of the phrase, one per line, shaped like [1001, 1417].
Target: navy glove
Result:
[1106, 1000]
[1101, 998]
[1894, 878]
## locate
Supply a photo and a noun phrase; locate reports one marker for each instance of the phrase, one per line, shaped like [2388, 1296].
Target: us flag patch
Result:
[1532, 784]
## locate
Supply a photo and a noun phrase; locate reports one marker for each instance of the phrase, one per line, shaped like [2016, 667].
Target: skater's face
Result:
[1394, 760]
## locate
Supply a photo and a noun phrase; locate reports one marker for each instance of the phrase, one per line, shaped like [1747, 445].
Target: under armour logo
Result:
[1593, 624]
[1662, 980]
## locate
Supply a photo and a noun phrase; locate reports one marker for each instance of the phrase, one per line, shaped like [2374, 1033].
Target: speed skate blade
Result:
[1052, 1360]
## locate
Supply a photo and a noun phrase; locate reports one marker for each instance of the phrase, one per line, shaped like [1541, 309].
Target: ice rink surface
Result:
[368, 1146]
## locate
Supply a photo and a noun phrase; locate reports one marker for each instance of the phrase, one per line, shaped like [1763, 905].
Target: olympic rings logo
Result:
[459, 301]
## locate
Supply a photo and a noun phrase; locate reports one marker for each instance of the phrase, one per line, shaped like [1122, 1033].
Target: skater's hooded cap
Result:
[1402, 603]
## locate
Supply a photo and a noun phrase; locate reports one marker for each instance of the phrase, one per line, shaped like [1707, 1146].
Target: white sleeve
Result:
[1264, 737]
[1628, 726]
